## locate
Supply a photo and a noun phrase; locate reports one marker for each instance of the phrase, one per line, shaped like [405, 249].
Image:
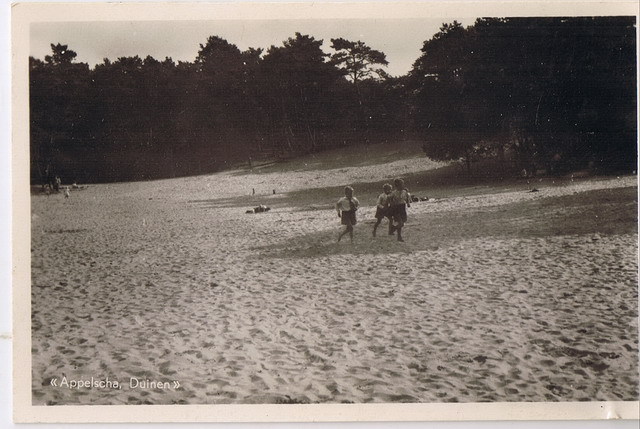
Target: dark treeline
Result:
[557, 94]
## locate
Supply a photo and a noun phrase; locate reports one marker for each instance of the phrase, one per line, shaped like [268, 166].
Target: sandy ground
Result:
[506, 296]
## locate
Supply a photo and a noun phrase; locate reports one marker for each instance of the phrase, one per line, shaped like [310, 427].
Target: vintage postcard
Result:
[368, 211]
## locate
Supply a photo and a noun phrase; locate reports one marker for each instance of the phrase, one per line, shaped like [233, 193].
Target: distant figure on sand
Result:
[347, 207]
[382, 209]
[399, 200]
[67, 193]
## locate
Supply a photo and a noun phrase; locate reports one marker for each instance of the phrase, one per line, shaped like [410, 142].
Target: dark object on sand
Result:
[534, 190]
[260, 209]
[415, 199]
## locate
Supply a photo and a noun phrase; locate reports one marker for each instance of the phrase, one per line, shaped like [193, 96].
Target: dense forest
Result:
[552, 94]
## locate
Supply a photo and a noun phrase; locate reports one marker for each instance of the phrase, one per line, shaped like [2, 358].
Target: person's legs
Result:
[399, 229]
[348, 219]
[348, 230]
[375, 227]
[342, 234]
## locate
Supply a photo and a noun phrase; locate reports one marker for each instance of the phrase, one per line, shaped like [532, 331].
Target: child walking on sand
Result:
[346, 207]
[382, 209]
[399, 200]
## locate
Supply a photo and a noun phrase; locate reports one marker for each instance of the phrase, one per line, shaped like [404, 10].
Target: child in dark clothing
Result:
[382, 209]
[399, 200]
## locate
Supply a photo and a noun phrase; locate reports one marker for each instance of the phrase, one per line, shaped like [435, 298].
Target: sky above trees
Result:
[399, 39]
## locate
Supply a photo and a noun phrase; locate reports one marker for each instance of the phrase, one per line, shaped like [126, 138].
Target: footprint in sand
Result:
[165, 370]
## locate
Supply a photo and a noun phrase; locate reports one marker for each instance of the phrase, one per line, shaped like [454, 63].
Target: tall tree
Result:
[357, 60]
[61, 55]
[361, 65]
[61, 111]
[297, 89]
[223, 74]
[541, 88]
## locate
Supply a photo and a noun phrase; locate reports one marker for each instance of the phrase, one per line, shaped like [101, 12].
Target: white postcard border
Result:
[24, 14]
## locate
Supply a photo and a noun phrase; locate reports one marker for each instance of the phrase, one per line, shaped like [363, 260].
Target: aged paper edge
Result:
[24, 14]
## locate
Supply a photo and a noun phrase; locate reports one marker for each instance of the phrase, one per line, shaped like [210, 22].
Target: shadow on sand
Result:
[614, 213]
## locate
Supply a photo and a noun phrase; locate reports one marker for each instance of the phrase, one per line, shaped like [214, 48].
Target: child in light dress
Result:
[347, 207]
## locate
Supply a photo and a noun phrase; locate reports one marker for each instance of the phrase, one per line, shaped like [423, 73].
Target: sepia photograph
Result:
[298, 205]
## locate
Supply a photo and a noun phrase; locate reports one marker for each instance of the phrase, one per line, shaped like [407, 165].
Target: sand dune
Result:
[510, 296]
